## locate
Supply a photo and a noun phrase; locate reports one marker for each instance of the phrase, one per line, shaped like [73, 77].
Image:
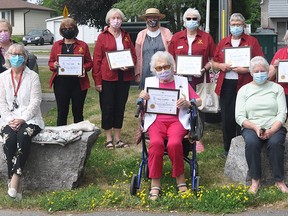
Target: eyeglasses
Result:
[164, 67]
[15, 54]
[236, 25]
[193, 18]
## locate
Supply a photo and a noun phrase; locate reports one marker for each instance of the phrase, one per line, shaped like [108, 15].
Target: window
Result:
[6, 15]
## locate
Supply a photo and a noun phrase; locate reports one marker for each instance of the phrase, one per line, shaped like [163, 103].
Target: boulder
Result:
[53, 166]
[236, 166]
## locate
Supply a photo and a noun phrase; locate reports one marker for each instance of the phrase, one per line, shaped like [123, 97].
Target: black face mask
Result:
[152, 23]
[68, 33]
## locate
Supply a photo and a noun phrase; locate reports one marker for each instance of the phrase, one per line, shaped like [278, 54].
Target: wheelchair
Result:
[189, 145]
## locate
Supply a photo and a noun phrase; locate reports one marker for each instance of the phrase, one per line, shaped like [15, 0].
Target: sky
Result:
[32, 1]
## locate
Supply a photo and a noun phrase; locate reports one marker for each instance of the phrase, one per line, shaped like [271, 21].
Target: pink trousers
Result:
[174, 131]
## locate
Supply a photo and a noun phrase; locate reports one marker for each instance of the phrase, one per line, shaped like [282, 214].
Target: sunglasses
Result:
[193, 18]
[164, 67]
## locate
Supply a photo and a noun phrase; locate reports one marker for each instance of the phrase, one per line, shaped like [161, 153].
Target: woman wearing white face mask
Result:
[261, 112]
[161, 126]
[193, 41]
[112, 85]
[232, 78]
[150, 40]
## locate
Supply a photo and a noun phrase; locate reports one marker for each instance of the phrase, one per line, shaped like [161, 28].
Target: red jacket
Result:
[80, 47]
[202, 45]
[105, 43]
[246, 40]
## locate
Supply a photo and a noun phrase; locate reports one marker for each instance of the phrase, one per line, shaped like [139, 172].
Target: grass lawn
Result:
[108, 174]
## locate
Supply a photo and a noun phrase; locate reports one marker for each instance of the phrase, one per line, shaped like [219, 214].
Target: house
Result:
[24, 16]
[274, 14]
[86, 33]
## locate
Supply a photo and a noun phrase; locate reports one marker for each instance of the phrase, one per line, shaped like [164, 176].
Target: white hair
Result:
[111, 12]
[161, 55]
[237, 17]
[192, 11]
[258, 60]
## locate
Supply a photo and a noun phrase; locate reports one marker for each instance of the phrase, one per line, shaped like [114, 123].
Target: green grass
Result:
[108, 174]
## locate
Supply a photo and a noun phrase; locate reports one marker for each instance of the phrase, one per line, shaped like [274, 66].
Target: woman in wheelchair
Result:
[170, 127]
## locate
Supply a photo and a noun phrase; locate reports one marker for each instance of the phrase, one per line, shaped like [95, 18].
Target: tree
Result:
[57, 5]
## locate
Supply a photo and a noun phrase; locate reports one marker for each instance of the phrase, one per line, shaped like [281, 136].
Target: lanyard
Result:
[13, 83]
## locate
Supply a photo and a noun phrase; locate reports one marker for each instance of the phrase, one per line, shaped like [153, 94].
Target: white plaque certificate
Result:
[282, 73]
[120, 59]
[238, 56]
[71, 65]
[162, 101]
[189, 65]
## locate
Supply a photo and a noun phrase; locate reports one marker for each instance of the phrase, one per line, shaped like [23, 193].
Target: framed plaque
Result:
[282, 72]
[162, 101]
[189, 65]
[120, 59]
[70, 65]
[238, 56]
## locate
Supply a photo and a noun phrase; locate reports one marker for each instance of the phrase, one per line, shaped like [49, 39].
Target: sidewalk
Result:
[48, 102]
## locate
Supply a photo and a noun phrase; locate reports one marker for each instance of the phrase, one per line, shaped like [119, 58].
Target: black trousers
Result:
[275, 147]
[16, 146]
[113, 100]
[230, 128]
[68, 89]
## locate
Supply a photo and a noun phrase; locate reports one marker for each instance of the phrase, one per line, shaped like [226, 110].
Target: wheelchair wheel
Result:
[133, 185]
[146, 171]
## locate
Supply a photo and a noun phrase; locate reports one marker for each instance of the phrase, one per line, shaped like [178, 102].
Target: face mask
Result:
[4, 37]
[236, 30]
[192, 24]
[68, 33]
[260, 77]
[152, 23]
[116, 23]
[164, 75]
[16, 60]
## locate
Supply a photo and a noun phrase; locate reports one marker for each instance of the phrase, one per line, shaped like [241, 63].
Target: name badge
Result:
[179, 47]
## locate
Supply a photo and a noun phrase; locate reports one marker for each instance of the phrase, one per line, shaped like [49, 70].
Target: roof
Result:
[21, 4]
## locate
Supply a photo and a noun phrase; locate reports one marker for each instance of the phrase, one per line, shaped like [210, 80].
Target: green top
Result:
[261, 104]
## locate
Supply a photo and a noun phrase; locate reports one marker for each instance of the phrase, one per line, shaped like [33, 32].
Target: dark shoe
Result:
[154, 196]
[109, 145]
[121, 144]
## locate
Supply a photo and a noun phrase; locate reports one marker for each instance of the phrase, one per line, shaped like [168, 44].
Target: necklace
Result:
[68, 47]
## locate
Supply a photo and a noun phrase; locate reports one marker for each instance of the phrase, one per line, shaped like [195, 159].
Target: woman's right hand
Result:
[144, 95]
[56, 65]
[98, 88]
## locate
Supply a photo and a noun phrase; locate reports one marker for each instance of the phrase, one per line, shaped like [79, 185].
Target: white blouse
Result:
[29, 98]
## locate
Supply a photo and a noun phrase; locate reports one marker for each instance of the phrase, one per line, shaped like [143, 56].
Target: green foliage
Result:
[57, 5]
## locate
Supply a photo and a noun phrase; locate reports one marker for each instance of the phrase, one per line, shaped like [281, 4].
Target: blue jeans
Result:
[275, 147]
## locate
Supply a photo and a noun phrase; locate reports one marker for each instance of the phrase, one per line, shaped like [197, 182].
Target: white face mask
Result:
[164, 75]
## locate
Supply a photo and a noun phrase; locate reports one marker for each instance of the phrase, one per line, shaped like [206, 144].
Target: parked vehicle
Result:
[38, 37]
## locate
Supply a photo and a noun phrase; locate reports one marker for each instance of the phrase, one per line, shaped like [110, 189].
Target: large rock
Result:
[52, 166]
[236, 165]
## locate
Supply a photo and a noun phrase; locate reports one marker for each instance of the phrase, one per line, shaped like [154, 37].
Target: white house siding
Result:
[278, 9]
[18, 28]
[86, 33]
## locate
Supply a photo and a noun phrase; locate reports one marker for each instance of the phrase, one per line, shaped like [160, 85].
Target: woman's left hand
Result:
[267, 134]
[15, 124]
[124, 68]
[182, 103]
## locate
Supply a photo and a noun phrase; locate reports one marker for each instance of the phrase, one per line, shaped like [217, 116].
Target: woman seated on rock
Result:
[20, 99]
[261, 111]
[172, 127]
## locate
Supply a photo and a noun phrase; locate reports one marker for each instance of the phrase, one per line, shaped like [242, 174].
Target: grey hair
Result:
[258, 60]
[111, 12]
[8, 25]
[20, 49]
[161, 55]
[193, 11]
[286, 37]
[237, 17]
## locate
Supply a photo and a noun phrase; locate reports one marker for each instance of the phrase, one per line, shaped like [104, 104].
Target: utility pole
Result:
[207, 25]
[224, 13]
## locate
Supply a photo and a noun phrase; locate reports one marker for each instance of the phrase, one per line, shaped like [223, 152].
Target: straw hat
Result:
[152, 12]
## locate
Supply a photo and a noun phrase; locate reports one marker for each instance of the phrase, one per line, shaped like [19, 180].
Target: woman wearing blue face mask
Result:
[261, 112]
[193, 41]
[161, 126]
[232, 78]
[20, 99]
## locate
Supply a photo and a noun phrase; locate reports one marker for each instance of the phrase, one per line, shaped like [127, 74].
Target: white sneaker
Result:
[12, 192]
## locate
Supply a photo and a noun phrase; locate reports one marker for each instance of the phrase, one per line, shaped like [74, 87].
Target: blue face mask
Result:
[236, 30]
[260, 77]
[164, 75]
[16, 60]
[192, 24]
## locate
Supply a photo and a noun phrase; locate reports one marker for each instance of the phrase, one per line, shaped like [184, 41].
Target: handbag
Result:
[196, 130]
[210, 100]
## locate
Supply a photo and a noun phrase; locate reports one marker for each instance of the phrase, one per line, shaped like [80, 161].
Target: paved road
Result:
[42, 60]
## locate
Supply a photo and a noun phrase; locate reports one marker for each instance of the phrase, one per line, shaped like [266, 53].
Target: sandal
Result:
[281, 188]
[109, 145]
[121, 144]
[253, 189]
[154, 196]
[182, 185]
